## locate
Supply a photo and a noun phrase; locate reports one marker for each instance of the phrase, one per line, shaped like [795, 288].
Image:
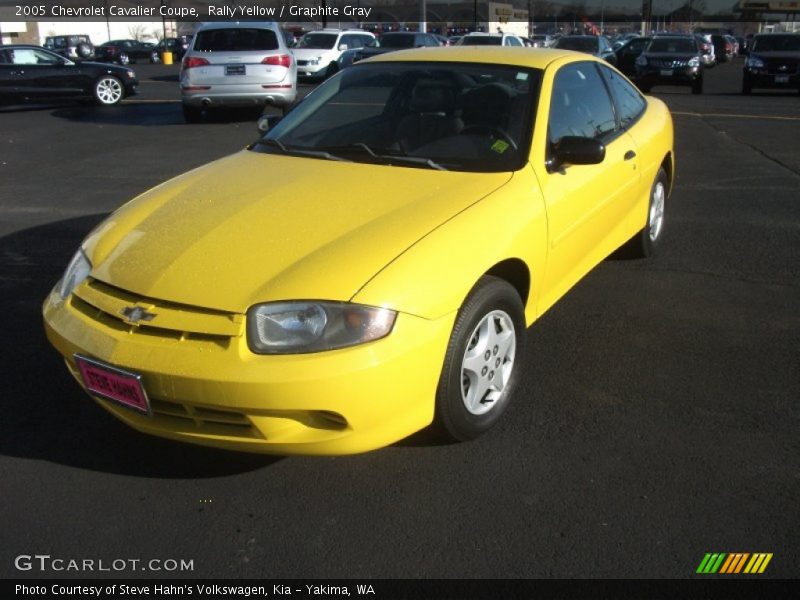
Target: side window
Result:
[630, 104]
[512, 41]
[580, 105]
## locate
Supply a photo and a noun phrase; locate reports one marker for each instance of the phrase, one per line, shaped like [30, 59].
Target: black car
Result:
[670, 60]
[591, 44]
[178, 47]
[33, 73]
[773, 61]
[124, 52]
[389, 42]
[627, 54]
[70, 46]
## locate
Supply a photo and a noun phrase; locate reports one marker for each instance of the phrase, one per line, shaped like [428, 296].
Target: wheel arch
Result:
[516, 272]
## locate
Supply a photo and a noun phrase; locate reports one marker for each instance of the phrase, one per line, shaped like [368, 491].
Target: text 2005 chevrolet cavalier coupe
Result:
[370, 265]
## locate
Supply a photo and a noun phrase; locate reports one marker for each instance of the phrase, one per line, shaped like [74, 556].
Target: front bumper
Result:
[661, 76]
[759, 78]
[212, 390]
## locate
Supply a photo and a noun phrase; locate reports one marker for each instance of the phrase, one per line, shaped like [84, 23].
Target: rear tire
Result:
[646, 242]
[191, 114]
[481, 366]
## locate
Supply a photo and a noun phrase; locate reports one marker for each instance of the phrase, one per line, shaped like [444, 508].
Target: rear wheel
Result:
[108, 90]
[480, 369]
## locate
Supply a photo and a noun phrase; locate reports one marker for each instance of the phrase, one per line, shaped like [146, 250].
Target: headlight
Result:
[300, 327]
[641, 61]
[77, 270]
[754, 62]
[694, 62]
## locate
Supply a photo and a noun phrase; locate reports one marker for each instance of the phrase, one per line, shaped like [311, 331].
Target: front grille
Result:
[668, 63]
[107, 304]
[782, 67]
[213, 421]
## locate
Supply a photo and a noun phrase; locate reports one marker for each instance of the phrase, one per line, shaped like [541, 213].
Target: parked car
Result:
[318, 52]
[773, 61]
[723, 48]
[123, 52]
[707, 55]
[33, 73]
[178, 47]
[477, 38]
[237, 64]
[542, 40]
[626, 55]
[670, 60]
[389, 42]
[596, 45]
[453, 40]
[264, 303]
[70, 46]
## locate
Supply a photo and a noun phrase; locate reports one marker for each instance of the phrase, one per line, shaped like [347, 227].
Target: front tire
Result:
[481, 364]
[644, 243]
[108, 90]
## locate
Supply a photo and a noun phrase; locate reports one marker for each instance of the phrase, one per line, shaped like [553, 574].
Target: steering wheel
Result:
[497, 132]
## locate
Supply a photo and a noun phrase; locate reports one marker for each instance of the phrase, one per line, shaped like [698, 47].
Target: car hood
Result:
[256, 227]
[307, 53]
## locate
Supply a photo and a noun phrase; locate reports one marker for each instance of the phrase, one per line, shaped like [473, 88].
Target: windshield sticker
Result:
[500, 146]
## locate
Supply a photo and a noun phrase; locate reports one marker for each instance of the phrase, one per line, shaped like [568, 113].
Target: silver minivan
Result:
[237, 64]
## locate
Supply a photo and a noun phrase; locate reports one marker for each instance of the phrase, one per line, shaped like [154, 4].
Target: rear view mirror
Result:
[575, 150]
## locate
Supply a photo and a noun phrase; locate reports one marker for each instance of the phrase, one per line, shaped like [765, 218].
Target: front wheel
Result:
[644, 243]
[481, 364]
[108, 90]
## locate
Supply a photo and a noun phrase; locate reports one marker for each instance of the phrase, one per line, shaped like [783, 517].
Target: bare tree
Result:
[138, 32]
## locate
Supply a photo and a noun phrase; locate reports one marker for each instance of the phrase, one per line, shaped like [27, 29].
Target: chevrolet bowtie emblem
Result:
[134, 314]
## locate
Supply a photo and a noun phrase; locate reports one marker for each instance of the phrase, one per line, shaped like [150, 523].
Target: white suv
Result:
[317, 52]
[232, 64]
[490, 39]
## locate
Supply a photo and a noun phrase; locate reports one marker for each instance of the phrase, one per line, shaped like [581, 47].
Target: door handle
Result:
[629, 155]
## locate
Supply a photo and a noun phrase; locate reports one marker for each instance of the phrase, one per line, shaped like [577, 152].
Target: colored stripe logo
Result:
[734, 563]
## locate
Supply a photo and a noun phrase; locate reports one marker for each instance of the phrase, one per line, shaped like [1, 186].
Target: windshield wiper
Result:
[301, 151]
[417, 160]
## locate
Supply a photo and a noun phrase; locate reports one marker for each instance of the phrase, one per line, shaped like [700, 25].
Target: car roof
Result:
[271, 25]
[535, 58]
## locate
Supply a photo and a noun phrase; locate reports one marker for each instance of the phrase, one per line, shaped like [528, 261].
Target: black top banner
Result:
[453, 12]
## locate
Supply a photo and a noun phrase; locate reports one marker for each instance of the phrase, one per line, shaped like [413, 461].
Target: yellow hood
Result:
[255, 227]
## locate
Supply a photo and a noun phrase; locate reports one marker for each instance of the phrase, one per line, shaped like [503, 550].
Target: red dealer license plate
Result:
[113, 384]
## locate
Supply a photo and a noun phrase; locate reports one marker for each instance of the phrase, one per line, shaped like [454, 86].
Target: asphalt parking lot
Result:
[658, 419]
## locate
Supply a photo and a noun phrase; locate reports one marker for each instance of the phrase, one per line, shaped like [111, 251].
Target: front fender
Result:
[433, 277]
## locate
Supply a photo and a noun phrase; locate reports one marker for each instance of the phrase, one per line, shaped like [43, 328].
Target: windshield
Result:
[777, 43]
[235, 39]
[400, 40]
[481, 40]
[453, 116]
[673, 45]
[318, 41]
[580, 44]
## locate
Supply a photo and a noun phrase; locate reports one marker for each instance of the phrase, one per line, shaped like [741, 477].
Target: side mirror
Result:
[342, 47]
[575, 150]
[267, 122]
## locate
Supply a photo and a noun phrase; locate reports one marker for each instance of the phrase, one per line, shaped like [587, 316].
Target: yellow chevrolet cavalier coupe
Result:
[370, 265]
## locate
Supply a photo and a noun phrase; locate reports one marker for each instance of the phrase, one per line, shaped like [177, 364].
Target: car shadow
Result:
[46, 416]
[174, 77]
[151, 114]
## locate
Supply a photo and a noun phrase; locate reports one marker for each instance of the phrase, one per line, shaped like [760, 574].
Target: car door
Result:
[587, 205]
[43, 74]
[8, 82]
